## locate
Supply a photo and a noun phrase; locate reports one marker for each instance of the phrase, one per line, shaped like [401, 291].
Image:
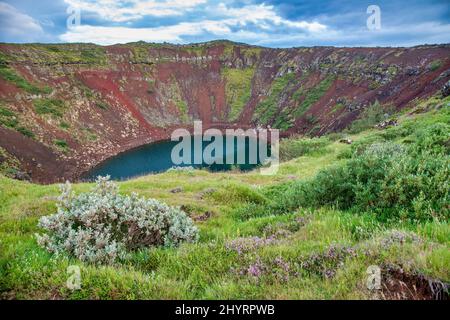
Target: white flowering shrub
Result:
[101, 226]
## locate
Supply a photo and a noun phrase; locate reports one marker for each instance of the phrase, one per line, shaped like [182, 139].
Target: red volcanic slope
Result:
[110, 99]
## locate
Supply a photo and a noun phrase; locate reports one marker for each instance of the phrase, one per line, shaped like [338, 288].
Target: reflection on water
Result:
[156, 157]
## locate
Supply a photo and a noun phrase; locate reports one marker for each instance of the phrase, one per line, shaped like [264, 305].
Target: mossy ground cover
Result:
[312, 252]
[175, 95]
[302, 99]
[54, 107]
[312, 96]
[61, 53]
[11, 120]
[237, 89]
[267, 110]
[10, 75]
[61, 144]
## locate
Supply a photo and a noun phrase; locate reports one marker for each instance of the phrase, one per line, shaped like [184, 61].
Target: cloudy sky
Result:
[272, 23]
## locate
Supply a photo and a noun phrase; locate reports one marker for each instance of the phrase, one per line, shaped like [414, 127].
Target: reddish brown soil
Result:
[34, 156]
[400, 285]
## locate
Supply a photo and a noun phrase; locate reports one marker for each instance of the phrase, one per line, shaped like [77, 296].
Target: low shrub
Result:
[235, 193]
[435, 138]
[280, 199]
[101, 226]
[295, 147]
[389, 179]
[394, 181]
[396, 132]
[335, 136]
[371, 116]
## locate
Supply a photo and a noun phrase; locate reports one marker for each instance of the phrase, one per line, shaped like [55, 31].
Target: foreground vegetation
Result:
[310, 231]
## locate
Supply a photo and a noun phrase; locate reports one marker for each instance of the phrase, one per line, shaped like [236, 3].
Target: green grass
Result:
[61, 144]
[26, 132]
[369, 117]
[303, 100]
[6, 112]
[434, 65]
[52, 107]
[296, 147]
[237, 89]
[61, 53]
[176, 95]
[266, 111]
[102, 105]
[10, 75]
[64, 125]
[208, 269]
[9, 119]
[183, 108]
[312, 96]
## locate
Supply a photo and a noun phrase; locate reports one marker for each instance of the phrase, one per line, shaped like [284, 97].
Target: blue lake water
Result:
[156, 157]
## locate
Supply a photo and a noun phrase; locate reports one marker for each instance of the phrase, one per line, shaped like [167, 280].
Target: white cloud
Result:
[111, 35]
[132, 10]
[262, 15]
[17, 25]
[232, 24]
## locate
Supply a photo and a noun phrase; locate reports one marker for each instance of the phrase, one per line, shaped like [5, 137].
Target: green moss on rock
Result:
[61, 144]
[313, 95]
[237, 89]
[11, 76]
[268, 108]
[53, 107]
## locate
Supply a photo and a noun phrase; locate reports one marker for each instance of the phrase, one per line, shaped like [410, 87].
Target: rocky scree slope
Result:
[66, 107]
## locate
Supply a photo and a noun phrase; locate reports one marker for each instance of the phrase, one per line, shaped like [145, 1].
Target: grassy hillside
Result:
[298, 234]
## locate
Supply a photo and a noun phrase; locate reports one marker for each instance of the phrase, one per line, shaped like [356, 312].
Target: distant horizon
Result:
[264, 23]
[221, 40]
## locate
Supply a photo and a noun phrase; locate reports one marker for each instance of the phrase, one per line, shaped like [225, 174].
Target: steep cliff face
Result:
[64, 108]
